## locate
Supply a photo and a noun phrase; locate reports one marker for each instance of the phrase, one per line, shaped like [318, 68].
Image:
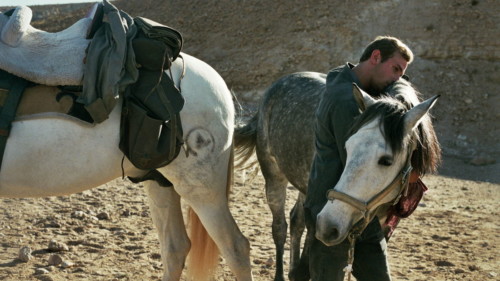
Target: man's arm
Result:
[342, 118]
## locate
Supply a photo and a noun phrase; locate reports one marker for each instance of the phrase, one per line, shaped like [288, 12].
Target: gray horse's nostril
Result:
[332, 234]
[328, 235]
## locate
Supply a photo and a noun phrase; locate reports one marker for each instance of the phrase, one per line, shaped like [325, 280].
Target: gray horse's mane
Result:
[391, 107]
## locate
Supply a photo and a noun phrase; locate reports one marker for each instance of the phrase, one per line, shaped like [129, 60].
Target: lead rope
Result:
[350, 256]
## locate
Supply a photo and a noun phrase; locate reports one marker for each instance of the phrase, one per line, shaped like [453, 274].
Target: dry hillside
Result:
[253, 43]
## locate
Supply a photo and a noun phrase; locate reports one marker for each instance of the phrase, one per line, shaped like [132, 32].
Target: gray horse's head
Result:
[377, 151]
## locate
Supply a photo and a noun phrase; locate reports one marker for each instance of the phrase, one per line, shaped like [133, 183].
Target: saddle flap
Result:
[97, 14]
[169, 36]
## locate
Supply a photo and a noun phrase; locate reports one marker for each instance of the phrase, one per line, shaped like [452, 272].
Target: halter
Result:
[368, 208]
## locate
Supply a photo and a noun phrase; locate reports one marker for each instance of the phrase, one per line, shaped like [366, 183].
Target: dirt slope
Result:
[253, 43]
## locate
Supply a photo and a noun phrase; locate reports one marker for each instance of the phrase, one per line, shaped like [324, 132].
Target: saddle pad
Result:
[41, 99]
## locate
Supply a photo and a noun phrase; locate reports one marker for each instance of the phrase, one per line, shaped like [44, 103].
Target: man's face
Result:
[389, 71]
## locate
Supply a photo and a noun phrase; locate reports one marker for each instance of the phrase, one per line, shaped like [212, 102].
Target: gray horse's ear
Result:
[363, 99]
[415, 115]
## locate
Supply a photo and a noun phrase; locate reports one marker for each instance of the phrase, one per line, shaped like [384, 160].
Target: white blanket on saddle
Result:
[39, 56]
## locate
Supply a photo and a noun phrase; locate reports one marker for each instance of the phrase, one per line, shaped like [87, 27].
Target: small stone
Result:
[78, 214]
[79, 229]
[474, 268]
[67, 264]
[51, 268]
[270, 262]
[103, 216]
[41, 271]
[25, 254]
[257, 261]
[55, 259]
[443, 263]
[93, 219]
[55, 246]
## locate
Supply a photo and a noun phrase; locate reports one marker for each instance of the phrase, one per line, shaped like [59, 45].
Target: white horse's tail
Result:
[204, 254]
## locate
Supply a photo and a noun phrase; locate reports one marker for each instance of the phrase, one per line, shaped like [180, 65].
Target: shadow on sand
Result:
[461, 168]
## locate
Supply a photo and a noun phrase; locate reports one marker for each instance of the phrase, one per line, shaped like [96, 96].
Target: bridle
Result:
[368, 209]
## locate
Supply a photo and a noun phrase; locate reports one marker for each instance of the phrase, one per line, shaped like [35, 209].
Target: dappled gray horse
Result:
[282, 134]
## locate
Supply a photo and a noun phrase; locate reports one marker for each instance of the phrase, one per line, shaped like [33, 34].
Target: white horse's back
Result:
[56, 155]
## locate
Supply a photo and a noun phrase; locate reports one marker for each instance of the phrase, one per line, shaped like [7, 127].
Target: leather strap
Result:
[9, 107]
[365, 207]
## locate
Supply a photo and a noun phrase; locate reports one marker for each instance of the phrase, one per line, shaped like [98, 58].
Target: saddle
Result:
[150, 130]
[21, 45]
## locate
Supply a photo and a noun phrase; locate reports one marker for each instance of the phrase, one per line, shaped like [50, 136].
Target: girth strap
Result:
[11, 90]
[153, 175]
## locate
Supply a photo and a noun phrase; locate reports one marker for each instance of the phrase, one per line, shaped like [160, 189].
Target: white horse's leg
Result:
[207, 196]
[165, 206]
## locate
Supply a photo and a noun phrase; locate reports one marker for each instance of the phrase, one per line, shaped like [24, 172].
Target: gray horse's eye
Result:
[385, 160]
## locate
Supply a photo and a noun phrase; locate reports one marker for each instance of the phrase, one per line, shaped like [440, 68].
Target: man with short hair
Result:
[383, 62]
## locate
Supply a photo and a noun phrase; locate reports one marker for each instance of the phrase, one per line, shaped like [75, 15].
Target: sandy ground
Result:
[453, 235]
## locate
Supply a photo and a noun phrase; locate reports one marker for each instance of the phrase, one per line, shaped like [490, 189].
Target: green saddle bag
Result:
[151, 129]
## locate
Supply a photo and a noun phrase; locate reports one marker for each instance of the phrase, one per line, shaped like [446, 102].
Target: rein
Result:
[368, 208]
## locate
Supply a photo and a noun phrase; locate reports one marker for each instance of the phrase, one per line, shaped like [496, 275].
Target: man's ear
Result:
[363, 99]
[376, 57]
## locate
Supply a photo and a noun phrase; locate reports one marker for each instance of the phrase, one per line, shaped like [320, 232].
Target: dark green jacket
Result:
[334, 116]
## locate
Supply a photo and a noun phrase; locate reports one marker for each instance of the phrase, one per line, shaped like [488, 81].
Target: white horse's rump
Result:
[56, 156]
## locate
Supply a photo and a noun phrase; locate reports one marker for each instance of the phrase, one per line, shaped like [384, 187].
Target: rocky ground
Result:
[453, 235]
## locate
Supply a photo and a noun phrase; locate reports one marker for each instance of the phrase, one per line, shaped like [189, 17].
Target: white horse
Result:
[52, 155]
